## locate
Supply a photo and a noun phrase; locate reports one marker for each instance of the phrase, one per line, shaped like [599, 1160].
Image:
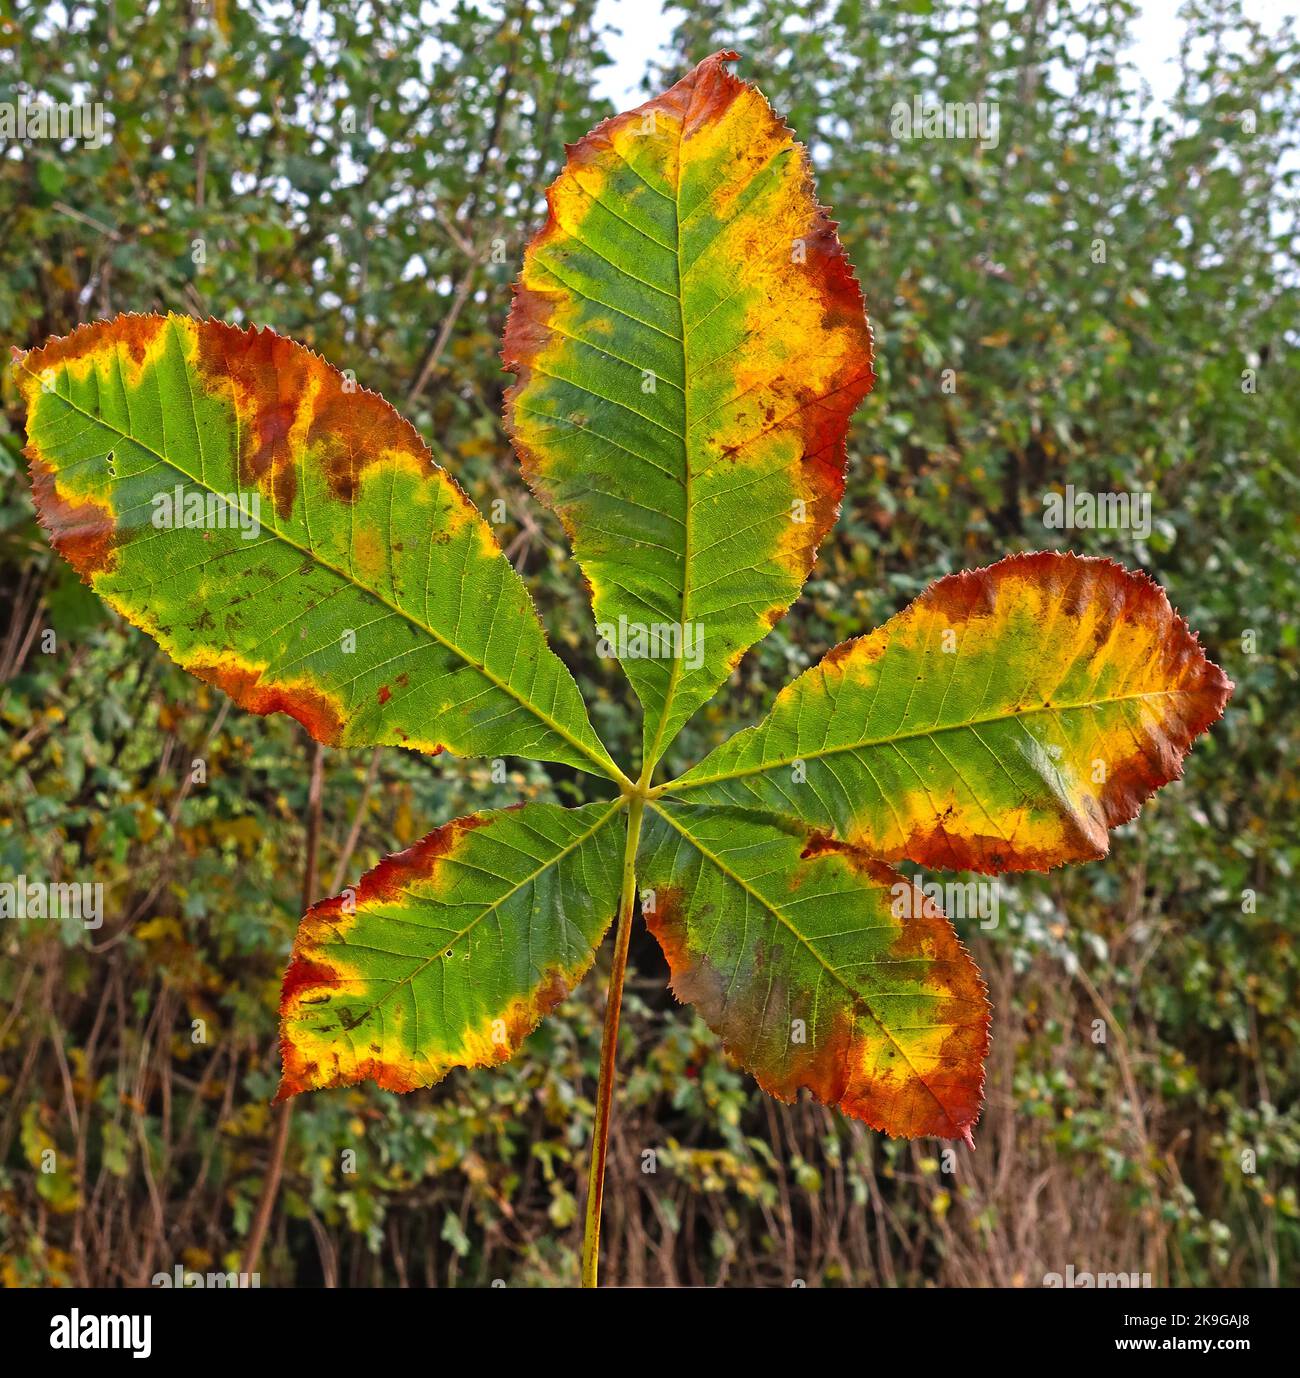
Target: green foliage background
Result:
[364, 179]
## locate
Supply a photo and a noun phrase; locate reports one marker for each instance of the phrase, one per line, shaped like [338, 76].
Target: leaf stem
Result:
[609, 1046]
[280, 1139]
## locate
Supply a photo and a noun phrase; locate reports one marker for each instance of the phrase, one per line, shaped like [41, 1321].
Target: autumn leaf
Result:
[449, 954]
[819, 967]
[1005, 721]
[286, 536]
[690, 342]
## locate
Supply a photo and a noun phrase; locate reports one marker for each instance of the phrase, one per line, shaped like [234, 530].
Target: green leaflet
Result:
[449, 954]
[690, 343]
[287, 537]
[819, 967]
[1004, 721]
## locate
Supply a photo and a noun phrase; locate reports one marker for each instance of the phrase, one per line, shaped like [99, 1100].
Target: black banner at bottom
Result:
[1046, 1325]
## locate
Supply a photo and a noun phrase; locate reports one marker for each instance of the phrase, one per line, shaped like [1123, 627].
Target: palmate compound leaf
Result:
[818, 967]
[690, 342]
[1004, 721]
[449, 954]
[286, 536]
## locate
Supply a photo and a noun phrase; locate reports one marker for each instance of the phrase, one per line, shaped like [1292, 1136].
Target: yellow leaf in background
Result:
[154, 930]
[147, 822]
[55, 1184]
[476, 445]
[248, 1120]
[563, 1210]
[34, 1139]
[82, 1083]
[244, 832]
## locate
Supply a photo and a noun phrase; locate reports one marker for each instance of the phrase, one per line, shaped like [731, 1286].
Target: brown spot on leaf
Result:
[293, 406]
[136, 332]
[303, 973]
[317, 711]
[81, 530]
[395, 874]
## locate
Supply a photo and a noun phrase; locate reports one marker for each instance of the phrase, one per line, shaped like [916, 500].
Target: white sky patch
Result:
[640, 37]
[644, 28]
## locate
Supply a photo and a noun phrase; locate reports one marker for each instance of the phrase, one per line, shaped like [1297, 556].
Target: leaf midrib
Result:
[687, 782]
[491, 908]
[345, 575]
[656, 750]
